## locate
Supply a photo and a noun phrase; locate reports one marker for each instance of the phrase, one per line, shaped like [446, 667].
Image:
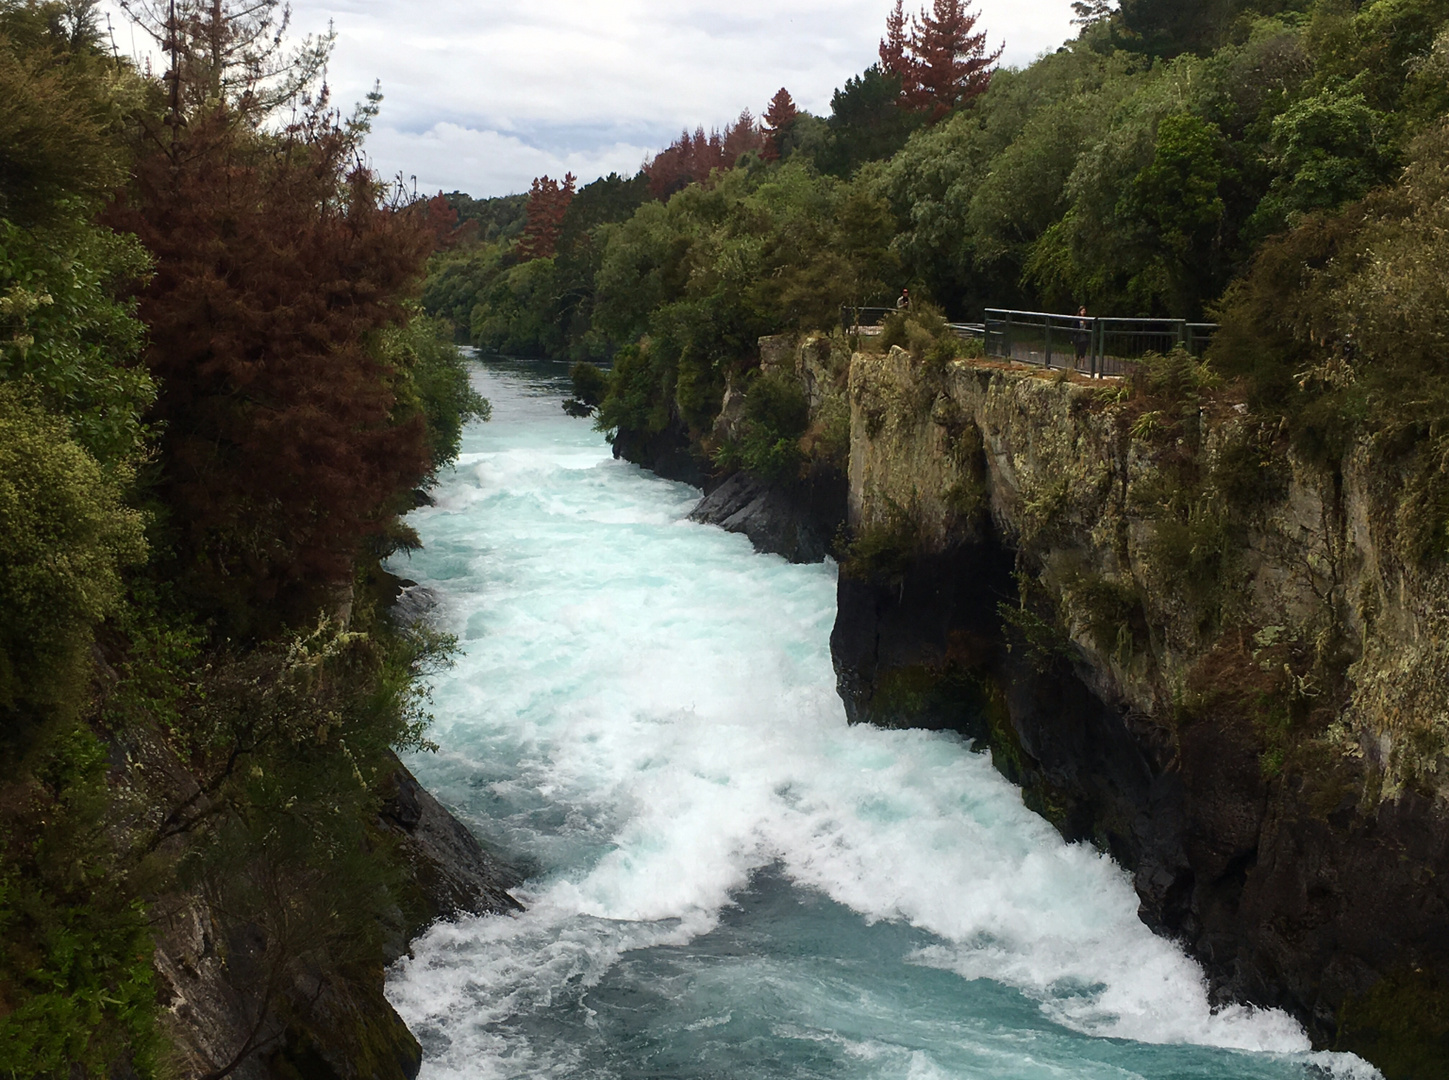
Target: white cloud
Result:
[485, 95]
[450, 157]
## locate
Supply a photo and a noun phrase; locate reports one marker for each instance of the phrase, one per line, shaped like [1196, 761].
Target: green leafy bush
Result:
[68, 537]
[590, 386]
[776, 414]
[76, 983]
[435, 381]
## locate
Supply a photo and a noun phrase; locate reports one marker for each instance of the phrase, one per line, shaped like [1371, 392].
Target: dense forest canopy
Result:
[1269, 164]
[217, 395]
[1137, 169]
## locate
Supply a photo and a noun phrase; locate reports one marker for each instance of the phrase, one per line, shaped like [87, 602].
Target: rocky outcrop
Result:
[447, 871]
[236, 1002]
[797, 518]
[1202, 654]
[670, 453]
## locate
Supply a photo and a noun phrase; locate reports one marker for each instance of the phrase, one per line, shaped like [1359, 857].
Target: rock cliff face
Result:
[266, 996]
[1190, 648]
[231, 1009]
[797, 517]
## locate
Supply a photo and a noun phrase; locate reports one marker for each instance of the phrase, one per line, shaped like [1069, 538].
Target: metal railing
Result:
[1093, 345]
[869, 321]
[864, 320]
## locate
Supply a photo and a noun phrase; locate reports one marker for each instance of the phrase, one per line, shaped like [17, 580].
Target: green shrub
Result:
[883, 550]
[590, 385]
[62, 329]
[776, 414]
[440, 378]
[924, 333]
[641, 387]
[75, 947]
[1112, 611]
[67, 537]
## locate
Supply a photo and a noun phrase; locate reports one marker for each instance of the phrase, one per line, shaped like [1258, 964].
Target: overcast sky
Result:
[483, 96]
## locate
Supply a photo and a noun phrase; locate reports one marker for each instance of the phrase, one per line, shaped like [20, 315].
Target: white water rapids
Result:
[727, 880]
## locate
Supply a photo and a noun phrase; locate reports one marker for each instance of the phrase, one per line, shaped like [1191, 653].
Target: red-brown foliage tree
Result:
[779, 120]
[691, 158]
[283, 444]
[895, 58]
[943, 63]
[740, 138]
[548, 201]
[442, 222]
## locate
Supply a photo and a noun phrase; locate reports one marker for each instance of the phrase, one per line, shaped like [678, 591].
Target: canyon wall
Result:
[1190, 648]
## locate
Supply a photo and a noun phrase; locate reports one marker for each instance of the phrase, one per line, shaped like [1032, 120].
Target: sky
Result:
[483, 96]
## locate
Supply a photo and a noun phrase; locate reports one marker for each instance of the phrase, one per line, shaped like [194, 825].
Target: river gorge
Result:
[724, 877]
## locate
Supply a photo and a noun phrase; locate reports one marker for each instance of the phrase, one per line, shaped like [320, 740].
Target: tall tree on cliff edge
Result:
[279, 262]
[943, 63]
[780, 119]
[548, 201]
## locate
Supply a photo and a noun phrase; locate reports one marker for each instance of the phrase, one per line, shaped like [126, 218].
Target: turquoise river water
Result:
[727, 880]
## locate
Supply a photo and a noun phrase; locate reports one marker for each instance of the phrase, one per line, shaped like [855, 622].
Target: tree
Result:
[950, 62]
[276, 266]
[1170, 27]
[779, 120]
[67, 536]
[740, 138]
[231, 54]
[287, 442]
[1088, 13]
[1327, 149]
[894, 57]
[941, 63]
[866, 122]
[548, 201]
[691, 158]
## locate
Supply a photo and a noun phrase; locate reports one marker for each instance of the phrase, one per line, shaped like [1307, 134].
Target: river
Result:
[727, 880]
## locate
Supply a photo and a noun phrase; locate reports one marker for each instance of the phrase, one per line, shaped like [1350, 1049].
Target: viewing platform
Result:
[1097, 346]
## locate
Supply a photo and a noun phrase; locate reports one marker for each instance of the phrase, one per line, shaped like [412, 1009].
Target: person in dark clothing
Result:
[1082, 335]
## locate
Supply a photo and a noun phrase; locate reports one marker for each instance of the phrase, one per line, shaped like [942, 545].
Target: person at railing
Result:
[1082, 335]
[903, 302]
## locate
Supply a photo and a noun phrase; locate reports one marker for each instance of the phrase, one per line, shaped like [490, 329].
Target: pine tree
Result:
[941, 63]
[894, 59]
[548, 201]
[284, 444]
[779, 120]
[691, 158]
[741, 137]
[286, 449]
[950, 62]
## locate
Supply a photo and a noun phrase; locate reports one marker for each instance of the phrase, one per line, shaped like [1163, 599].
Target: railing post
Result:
[1006, 336]
[1095, 346]
[1048, 344]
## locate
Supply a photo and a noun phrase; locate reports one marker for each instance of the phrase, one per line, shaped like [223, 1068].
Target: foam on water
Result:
[645, 710]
